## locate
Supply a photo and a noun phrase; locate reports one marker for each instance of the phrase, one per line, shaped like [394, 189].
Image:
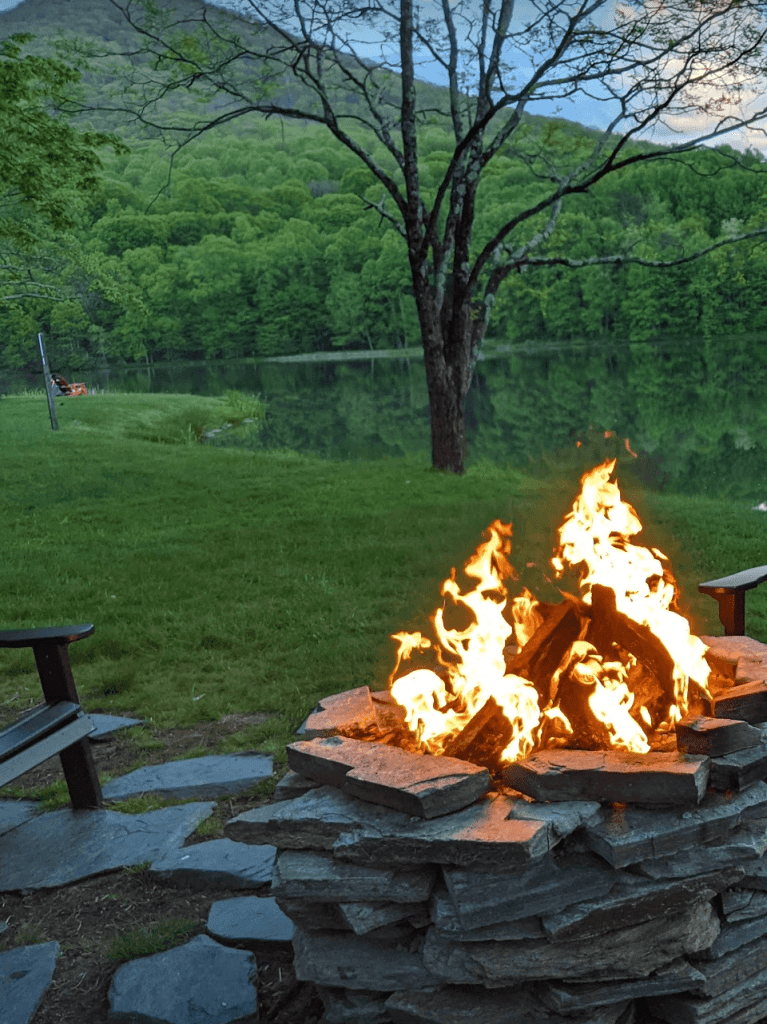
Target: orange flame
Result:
[594, 539]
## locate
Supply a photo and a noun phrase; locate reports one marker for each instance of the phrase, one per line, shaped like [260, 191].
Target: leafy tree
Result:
[301, 60]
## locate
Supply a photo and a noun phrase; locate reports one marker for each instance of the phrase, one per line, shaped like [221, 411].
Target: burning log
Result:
[483, 739]
[542, 654]
[715, 736]
[609, 626]
[611, 776]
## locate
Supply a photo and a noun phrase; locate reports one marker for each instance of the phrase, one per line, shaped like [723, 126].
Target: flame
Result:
[472, 659]
[592, 696]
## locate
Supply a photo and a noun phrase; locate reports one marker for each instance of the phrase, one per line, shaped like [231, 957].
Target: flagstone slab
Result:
[26, 973]
[292, 785]
[446, 921]
[16, 812]
[633, 901]
[255, 922]
[660, 777]
[748, 842]
[417, 784]
[350, 1006]
[625, 953]
[69, 845]
[735, 936]
[740, 1004]
[749, 904]
[482, 835]
[483, 899]
[732, 968]
[363, 918]
[570, 998]
[199, 981]
[353, 962]
[199, 778]
[739, 769]
[458, 1005]
[634, 834]
[349, 712]
[299, 874]
[219, 864]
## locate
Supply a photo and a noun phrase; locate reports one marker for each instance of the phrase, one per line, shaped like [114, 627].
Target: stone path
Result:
[206, 979]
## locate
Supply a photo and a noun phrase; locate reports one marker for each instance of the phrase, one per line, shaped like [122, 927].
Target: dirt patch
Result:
[87, 917]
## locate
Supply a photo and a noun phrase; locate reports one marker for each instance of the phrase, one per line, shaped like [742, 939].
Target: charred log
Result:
[483, 739]
[542, 654]
[609, 626]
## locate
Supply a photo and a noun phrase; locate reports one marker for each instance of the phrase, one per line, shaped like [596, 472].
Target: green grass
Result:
[222, 580]
[147, 941]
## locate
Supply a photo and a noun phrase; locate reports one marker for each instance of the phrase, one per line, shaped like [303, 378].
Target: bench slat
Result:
[49, 746]
[29, 637]
[34, 726]
[745, 580]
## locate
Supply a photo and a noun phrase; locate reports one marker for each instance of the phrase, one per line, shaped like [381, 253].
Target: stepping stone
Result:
[63, 846]
[26, 973]
[218, 864]
[15, 812]
[201, 980]
[255, 922]
[198, 778]
[107, 724]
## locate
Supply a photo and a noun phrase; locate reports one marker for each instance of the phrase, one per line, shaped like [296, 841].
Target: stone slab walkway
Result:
[54, 848]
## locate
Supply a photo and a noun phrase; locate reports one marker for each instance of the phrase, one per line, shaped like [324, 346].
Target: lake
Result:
[693, 411]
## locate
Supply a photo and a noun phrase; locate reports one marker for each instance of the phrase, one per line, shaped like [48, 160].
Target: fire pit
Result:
[556, 812]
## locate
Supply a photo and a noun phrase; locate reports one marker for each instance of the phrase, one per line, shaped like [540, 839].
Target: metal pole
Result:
[48, 384]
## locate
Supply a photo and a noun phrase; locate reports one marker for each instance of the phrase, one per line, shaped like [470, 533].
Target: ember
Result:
[614, 667]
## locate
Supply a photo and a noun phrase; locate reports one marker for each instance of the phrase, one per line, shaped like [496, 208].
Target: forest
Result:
[260, 244]
[259, 238]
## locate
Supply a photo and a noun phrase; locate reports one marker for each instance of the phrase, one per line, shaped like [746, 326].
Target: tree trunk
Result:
[448, 428]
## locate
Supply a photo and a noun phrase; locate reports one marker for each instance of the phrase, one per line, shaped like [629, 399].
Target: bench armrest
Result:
[730, 592]
[49, 634]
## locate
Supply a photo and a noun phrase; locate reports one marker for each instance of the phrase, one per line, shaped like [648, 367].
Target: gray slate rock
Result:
[741, 1004]
[734, 936]
[200, 981]
[219, 863]
[678, 976]
[482, 899]
[255, 922]
[731, 969]
[108, 724]
[26, 973]
[447, 922]
[454, 1005]
[361, 832]
[749, 905]
[94, 841]
[348, 961]
[316, 876]
[347, 1006]
[633, 901]
[634, 834]
[366, 917]
[292, 785]
[201, 778]
[626, 953]
[746, 843]
[16, 812]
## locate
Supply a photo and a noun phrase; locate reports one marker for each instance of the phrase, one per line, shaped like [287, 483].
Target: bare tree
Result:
[651, 63]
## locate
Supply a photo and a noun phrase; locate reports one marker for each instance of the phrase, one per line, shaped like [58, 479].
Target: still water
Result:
[694, 411]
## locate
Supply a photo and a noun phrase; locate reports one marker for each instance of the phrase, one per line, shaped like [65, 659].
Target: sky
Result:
[590, 112]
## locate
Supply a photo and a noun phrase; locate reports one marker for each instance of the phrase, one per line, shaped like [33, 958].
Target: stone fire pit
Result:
[433, 903]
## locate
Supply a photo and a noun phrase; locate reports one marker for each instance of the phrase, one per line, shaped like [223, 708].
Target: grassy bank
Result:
[224, 581]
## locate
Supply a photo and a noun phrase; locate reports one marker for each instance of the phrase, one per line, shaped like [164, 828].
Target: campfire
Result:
[535, 821]
[614, 667]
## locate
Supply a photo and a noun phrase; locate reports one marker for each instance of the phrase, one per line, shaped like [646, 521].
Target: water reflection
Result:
[694, 410]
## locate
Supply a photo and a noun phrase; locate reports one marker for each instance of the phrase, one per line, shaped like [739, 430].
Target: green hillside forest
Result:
[262, 242]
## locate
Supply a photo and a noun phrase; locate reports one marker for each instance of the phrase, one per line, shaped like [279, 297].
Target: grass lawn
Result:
[224, 581]
[231, 589]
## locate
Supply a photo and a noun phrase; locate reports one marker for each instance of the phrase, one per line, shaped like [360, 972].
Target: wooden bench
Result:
[730, 592]
[59, 726]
